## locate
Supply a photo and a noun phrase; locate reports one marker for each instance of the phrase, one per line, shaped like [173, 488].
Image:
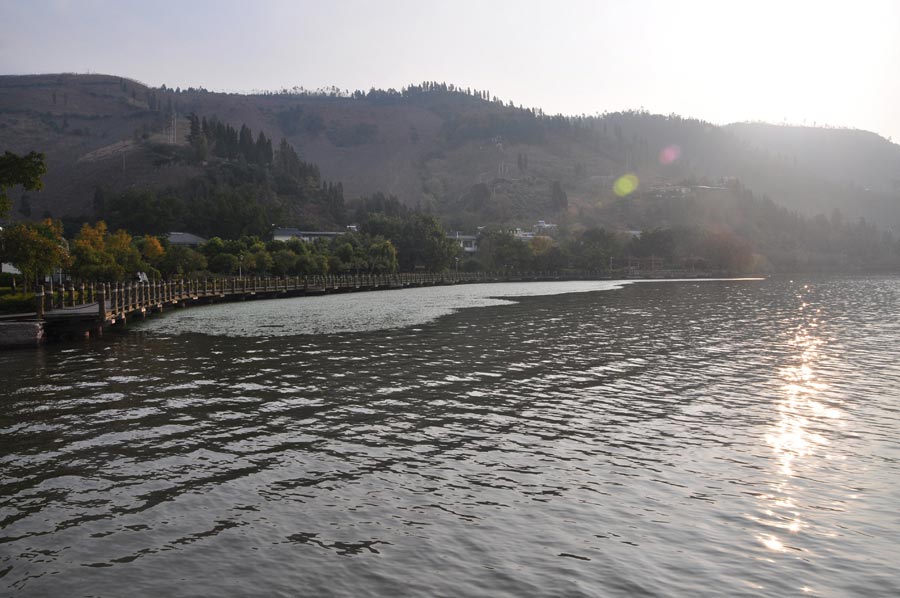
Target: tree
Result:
[224, 263]
[593, 248]
[345, 257]
[261, 261]
[142, 211]
[194, 134]
[558, 198]
[382, 256]
[181, 261]
[725, 251]
[437, 249]
[263, 149]
[283, 262]
[93, 259]
[501, 249]
[36, 249]
[151, 249]
[124, 252]
[24, 170]
[247, 147]
[656, 242]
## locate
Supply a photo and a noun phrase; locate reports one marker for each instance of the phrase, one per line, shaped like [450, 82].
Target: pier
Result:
[85, 311]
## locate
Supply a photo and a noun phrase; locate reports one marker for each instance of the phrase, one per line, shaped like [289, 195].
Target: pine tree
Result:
[263, 149]
[194, 135]
[245, 143]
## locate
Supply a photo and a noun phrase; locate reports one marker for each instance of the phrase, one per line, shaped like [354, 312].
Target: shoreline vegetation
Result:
[384, 244]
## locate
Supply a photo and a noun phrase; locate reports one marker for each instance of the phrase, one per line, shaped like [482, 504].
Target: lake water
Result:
[695, 438]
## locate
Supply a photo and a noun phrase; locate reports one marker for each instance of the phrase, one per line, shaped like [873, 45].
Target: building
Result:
[523, 235]
[468, 243]
[185, 239]
[286, 234]
[545, 229]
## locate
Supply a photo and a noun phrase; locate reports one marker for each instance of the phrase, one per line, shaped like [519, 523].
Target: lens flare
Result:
[669, 154]
[625, 185]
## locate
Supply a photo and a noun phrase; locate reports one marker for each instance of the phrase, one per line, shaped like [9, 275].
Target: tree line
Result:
[98, 253]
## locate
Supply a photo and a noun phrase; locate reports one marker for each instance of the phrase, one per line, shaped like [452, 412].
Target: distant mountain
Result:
[457, 152]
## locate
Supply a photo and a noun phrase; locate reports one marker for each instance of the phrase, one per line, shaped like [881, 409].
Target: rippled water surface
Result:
[718, 438]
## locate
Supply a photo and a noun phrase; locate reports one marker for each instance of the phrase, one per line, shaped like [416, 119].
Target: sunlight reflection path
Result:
[800, 436]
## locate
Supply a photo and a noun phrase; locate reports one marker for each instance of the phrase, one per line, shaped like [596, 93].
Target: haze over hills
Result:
[457, 152]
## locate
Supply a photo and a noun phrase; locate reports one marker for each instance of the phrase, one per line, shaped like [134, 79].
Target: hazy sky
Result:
[835, 63]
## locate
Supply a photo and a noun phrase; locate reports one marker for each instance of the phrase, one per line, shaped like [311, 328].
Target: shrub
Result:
[17, 303]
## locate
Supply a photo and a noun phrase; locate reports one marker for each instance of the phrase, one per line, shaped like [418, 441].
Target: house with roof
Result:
[185, 239]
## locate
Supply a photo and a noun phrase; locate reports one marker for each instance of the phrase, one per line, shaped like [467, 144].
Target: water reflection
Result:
[803, 431]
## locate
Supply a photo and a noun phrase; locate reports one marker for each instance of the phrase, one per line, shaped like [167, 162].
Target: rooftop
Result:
[176, 238]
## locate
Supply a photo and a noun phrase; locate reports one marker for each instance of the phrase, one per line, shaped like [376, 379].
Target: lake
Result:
[671, 438]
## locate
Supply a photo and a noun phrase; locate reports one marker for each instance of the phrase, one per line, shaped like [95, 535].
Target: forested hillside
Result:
[151, 159]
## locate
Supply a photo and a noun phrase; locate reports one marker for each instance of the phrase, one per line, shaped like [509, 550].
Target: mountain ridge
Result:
[457, 152]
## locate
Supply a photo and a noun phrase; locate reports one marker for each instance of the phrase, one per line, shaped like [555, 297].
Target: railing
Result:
[116, 300]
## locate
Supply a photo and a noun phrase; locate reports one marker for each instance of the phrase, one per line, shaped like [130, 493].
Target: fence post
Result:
[39, 301]
[101, 305]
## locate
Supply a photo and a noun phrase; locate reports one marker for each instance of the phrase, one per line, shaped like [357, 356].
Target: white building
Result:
[468, 243]
[545, 228]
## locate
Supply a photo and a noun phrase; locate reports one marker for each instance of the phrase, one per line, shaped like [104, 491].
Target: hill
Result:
[457, 152]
